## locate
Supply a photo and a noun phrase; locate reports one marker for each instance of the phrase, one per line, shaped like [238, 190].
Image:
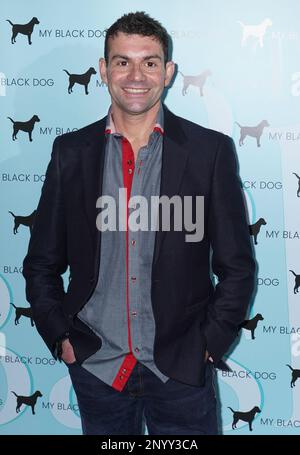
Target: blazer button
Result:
[92, 280]
[70, 316]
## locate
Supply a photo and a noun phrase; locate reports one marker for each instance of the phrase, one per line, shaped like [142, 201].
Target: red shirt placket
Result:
[128, 170]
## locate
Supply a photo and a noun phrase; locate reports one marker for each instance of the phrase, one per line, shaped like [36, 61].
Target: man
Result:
[141, 326]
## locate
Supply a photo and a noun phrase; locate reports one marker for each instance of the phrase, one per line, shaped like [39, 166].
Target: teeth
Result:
[136, 90]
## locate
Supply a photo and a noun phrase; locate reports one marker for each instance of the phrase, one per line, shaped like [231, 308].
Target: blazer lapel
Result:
[174, 159]
[92, 165]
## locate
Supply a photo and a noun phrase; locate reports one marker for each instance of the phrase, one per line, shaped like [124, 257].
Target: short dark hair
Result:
[138, 23]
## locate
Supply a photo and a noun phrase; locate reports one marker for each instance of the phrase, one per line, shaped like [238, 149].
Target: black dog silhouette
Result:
[253, 131]
[295, 375]
[24, 29]
[22, 311]
[25, 220]
[245, 416]
[82, 79]
[197, 81]
[255, 228]
[298, 190]
[29, 401]
[297, 282]
[251, 324]
[27, 127]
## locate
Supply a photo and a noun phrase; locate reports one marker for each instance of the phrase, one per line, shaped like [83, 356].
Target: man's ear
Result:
[170, 69]
[103, 70]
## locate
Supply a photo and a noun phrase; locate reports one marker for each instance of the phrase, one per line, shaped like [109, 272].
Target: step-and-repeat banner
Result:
[239, 73]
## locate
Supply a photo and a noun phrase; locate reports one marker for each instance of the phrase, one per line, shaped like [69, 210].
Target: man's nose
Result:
[136, 73]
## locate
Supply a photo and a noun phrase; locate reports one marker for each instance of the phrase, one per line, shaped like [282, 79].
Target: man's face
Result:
[135, 74]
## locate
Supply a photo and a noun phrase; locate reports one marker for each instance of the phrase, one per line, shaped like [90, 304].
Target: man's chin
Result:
[136, 109]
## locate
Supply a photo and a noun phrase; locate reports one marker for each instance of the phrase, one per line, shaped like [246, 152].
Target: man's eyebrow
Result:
[152, 56]
[125, 57]
[119, 56]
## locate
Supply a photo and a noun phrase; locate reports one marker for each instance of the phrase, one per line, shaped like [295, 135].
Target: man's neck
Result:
[136, 128]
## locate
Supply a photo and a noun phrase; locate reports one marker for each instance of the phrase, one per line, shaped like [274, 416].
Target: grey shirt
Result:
[120, 308]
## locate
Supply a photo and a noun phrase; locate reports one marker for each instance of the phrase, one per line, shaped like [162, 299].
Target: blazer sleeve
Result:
[46, 259]
[232, 258]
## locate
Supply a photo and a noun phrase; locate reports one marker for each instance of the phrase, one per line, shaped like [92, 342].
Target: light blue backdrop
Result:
[245, 80]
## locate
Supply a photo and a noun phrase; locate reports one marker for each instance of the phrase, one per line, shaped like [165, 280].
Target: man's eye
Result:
[151, 64]
[122, 63]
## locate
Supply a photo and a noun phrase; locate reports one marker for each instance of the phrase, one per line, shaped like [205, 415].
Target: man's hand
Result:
[67, 352]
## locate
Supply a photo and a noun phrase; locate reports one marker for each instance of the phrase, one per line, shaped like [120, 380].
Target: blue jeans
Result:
[171, 408]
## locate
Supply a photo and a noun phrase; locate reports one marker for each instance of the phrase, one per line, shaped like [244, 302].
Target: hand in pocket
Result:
[68, 355]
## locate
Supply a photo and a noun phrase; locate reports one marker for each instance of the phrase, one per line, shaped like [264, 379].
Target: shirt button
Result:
[133, 278]
[133, 242]
[129, 162]
[121, 377]
[124, 370]
[129, 171]
[137, 350]
[134, 313]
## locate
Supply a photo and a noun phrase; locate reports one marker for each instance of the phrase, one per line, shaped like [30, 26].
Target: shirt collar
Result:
[159, 124]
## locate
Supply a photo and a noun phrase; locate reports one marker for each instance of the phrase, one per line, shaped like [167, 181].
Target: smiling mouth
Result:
[136, 91]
